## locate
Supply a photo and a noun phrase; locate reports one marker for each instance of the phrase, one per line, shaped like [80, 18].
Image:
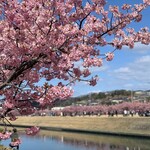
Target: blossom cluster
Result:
[16, 143]
[5, 135]
[104, 109]
[32, 131]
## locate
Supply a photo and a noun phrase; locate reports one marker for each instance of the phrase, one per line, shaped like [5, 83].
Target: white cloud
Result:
[98, 69]
[140, 48]
[96, 91]
[135, 74]
[128, 85]
[122, 70]
[144, 59]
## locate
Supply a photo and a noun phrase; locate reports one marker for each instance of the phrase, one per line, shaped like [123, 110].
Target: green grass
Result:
[4, 148]
[134, 125]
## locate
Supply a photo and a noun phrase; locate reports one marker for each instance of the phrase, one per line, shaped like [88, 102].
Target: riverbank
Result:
[134, 126]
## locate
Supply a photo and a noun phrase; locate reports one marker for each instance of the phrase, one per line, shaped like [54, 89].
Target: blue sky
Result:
[130, 68]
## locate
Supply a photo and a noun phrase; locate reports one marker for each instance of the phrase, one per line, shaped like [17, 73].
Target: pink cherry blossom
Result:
[16, 143]
[126, 6]
[4, 136]
[86, 72]
[32, 131]
[109, 56]
[147, 2]
[12, 117]
[93, 81]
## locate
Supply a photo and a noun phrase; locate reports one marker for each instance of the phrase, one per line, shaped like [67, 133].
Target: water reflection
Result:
[47, 140]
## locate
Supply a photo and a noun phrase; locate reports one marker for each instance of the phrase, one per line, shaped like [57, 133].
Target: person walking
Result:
[14, 139]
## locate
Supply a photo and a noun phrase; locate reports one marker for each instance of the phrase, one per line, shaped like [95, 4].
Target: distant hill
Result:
[95, 98]
[106, 98]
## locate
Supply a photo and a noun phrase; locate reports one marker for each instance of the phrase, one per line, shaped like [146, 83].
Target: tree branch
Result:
[23, 67]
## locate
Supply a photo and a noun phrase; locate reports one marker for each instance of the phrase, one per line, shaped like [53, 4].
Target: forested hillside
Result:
[107, 98]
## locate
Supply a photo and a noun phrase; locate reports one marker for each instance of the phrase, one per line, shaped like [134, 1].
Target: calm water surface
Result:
[48, 140]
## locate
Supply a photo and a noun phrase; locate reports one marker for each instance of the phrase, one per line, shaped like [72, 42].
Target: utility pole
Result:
[131, 96]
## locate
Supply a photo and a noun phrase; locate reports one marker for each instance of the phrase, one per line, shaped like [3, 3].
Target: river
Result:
[49, 140]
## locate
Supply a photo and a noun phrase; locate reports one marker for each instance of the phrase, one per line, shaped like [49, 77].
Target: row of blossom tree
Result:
[131, 107]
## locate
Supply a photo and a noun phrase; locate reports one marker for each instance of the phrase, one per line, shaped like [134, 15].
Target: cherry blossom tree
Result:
[104, 109]
[42, 40]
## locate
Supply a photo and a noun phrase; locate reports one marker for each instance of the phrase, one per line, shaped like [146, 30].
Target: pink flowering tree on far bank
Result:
[132, 107]
[43, 40]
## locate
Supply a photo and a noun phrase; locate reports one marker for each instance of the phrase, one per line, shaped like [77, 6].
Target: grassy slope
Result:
[138, 125]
